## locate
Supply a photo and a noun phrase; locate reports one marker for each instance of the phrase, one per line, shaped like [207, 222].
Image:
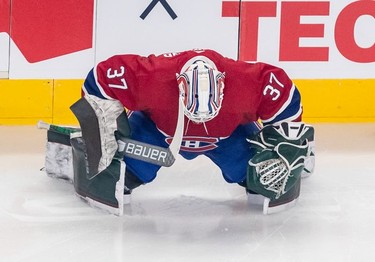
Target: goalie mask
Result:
[201, 88]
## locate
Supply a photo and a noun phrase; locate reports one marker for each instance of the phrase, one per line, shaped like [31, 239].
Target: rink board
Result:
[327, 46]
[24, 102]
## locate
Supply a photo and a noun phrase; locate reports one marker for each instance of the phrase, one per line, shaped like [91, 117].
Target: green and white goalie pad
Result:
[91, 156]
[283, 154]
[59, 158]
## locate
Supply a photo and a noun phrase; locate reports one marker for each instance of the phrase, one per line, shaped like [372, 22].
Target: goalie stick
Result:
[155, 154]
[139, 150]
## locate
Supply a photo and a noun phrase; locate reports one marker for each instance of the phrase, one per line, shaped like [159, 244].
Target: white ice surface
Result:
[189, 213]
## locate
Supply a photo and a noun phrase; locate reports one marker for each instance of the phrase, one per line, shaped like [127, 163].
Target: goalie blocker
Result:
[283, 154]
[88, 156]
[100, 174]
[91, 157]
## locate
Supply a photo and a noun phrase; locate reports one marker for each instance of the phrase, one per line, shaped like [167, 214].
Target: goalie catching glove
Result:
[283, 154]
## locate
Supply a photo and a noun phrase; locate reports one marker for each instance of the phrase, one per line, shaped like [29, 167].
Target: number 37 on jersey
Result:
[117, 74]
[273, 88]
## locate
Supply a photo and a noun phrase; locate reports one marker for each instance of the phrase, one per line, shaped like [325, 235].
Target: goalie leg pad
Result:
[105, 190]
[59, 158]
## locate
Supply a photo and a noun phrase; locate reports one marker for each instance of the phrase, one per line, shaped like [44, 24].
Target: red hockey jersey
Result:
[253, 91]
